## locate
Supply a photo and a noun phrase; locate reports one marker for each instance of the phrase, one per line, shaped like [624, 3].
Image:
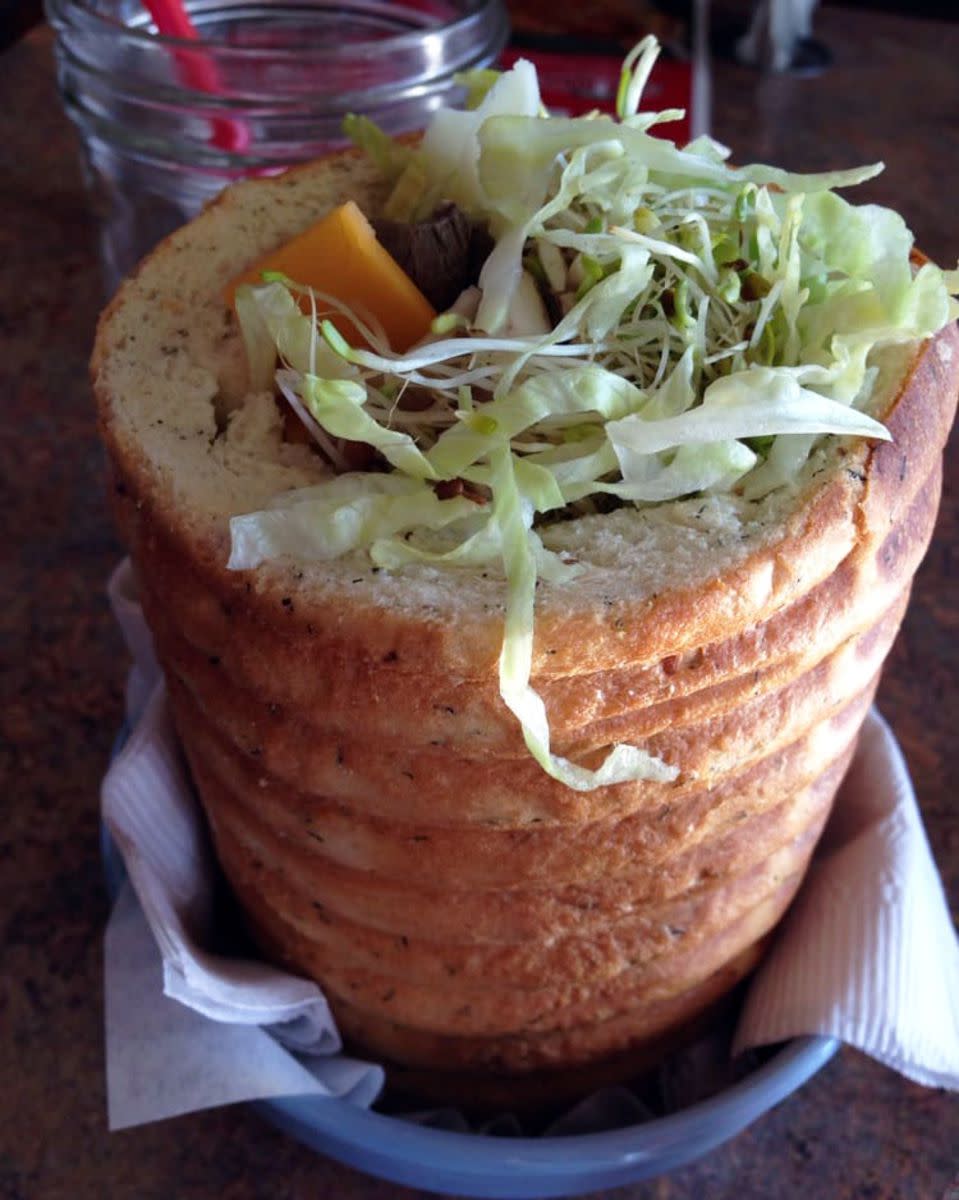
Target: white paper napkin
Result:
[868, 954]
[187, 1029]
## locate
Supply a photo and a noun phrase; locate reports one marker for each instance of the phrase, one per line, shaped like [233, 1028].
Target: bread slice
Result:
[370, 797]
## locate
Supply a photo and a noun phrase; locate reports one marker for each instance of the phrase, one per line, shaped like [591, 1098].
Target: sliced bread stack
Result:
[371, 799]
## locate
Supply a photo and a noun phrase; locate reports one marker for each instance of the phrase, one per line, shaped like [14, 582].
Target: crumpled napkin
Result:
[868, 953]
[187, 1029]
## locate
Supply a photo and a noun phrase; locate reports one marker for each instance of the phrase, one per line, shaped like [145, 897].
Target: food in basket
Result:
[518, 651]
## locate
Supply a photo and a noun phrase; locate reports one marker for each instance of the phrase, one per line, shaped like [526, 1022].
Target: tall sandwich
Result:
[523, 515]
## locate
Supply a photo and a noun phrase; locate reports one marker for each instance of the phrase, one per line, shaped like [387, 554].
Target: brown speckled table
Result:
[857, 1130]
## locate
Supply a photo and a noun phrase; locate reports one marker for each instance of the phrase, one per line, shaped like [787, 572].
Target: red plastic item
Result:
[197, 69]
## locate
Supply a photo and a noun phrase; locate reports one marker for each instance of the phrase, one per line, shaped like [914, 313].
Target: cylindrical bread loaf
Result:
[370, 796]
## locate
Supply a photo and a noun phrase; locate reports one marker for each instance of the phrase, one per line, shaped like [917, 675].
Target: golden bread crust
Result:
[749, 822]
[451, 711]
[636, 1039]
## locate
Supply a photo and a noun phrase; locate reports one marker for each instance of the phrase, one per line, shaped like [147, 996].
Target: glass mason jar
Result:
[166, 123]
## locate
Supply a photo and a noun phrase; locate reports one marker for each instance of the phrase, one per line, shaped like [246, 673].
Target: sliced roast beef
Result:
[442, 255]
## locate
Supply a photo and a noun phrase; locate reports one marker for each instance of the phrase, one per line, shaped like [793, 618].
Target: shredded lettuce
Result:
[350, 512]
[450, 150]
[755, 403]
[710, 324]
[337, 406]
[477, 84]
[519, 543]
[391, 156]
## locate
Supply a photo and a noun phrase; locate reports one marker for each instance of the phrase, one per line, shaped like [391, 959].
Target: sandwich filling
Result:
[629, 323]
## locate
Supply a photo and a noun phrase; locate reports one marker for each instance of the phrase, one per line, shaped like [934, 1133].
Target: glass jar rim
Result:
[80, 15]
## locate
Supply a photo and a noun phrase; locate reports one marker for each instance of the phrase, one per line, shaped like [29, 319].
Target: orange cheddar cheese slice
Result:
[340, 255]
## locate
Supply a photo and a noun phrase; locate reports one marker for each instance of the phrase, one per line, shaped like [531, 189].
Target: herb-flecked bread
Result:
[371, 798]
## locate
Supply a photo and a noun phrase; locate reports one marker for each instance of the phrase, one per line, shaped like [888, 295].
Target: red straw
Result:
[197, 69]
